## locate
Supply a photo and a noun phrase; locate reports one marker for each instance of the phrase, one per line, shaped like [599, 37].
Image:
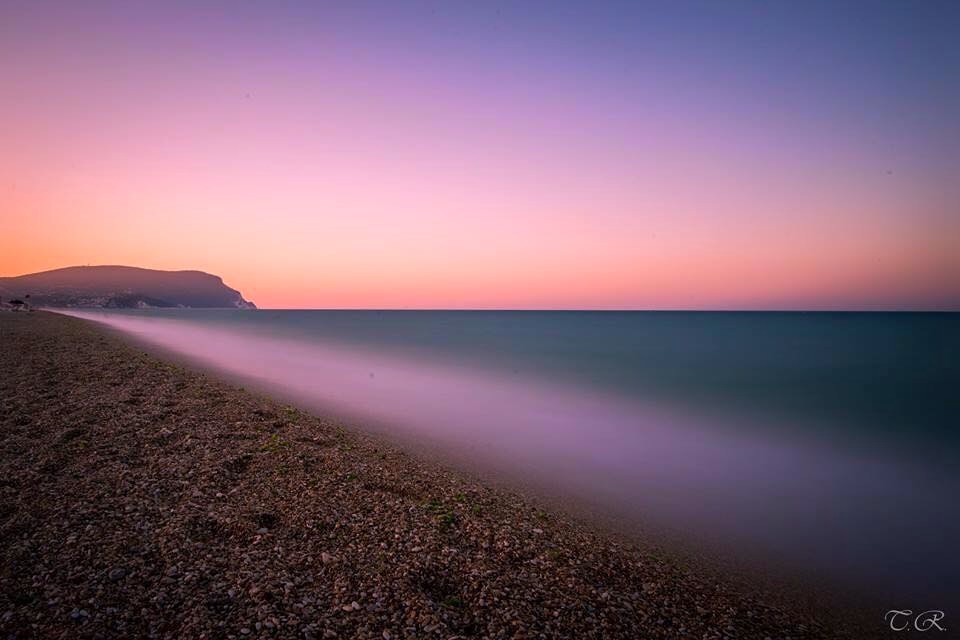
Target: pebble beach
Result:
[143, 499]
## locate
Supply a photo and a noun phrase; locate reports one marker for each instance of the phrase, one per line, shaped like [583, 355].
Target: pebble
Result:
[172, 530]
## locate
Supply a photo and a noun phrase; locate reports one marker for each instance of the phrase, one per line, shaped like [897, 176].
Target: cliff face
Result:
[123, 287]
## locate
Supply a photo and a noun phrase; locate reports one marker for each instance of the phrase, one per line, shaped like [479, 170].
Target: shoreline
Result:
[150, 487]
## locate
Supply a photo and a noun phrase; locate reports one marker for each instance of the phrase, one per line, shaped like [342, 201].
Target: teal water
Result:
[889, 380]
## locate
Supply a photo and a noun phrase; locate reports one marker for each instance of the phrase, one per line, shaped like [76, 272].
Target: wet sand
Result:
[140, 498]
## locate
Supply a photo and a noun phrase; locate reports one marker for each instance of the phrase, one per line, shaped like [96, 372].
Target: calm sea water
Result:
[868, 378]
[826, 440]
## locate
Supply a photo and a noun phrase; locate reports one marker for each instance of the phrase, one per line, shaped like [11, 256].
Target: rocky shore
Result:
[139, 499]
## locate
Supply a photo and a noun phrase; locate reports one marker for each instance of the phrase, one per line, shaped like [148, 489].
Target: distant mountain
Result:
[122, 287]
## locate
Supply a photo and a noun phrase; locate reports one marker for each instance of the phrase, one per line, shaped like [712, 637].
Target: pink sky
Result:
[347, 161]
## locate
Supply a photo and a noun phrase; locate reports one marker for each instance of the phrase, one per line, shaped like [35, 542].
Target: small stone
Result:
[326, 558]
[245, 631]
[263, 530]
[117, 574]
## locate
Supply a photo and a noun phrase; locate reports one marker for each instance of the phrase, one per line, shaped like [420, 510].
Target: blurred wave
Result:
[824, 441]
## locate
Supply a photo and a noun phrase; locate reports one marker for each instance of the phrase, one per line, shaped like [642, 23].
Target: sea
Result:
[825, 443]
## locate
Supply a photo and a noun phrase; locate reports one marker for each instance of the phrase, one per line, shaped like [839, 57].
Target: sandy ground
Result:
[139, 498]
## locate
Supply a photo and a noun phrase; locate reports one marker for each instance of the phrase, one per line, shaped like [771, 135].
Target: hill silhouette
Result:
[114, 286]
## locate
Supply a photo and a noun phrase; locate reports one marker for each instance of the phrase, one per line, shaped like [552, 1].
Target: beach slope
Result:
[142, 499]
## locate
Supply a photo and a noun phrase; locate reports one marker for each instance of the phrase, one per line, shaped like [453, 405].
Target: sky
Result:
[635, 155]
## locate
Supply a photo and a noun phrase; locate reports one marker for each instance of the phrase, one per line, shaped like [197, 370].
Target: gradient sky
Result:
[481, 154]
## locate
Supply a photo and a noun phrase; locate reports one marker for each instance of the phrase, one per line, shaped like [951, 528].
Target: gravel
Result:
[142, 499]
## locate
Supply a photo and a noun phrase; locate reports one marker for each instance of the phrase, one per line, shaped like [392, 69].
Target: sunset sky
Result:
[481, 154]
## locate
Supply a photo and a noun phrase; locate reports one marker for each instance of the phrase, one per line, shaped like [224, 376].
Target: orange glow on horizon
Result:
[308, 173]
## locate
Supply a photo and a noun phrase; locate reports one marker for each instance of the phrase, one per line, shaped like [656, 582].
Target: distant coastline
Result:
[122, 287]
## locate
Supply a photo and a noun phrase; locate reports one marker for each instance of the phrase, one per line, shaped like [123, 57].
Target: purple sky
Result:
[455, 154]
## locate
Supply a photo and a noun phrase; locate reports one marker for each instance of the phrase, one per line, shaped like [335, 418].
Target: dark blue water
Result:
[861, 379]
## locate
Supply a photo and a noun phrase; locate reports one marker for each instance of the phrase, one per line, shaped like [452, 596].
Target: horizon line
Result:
[565, 309]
